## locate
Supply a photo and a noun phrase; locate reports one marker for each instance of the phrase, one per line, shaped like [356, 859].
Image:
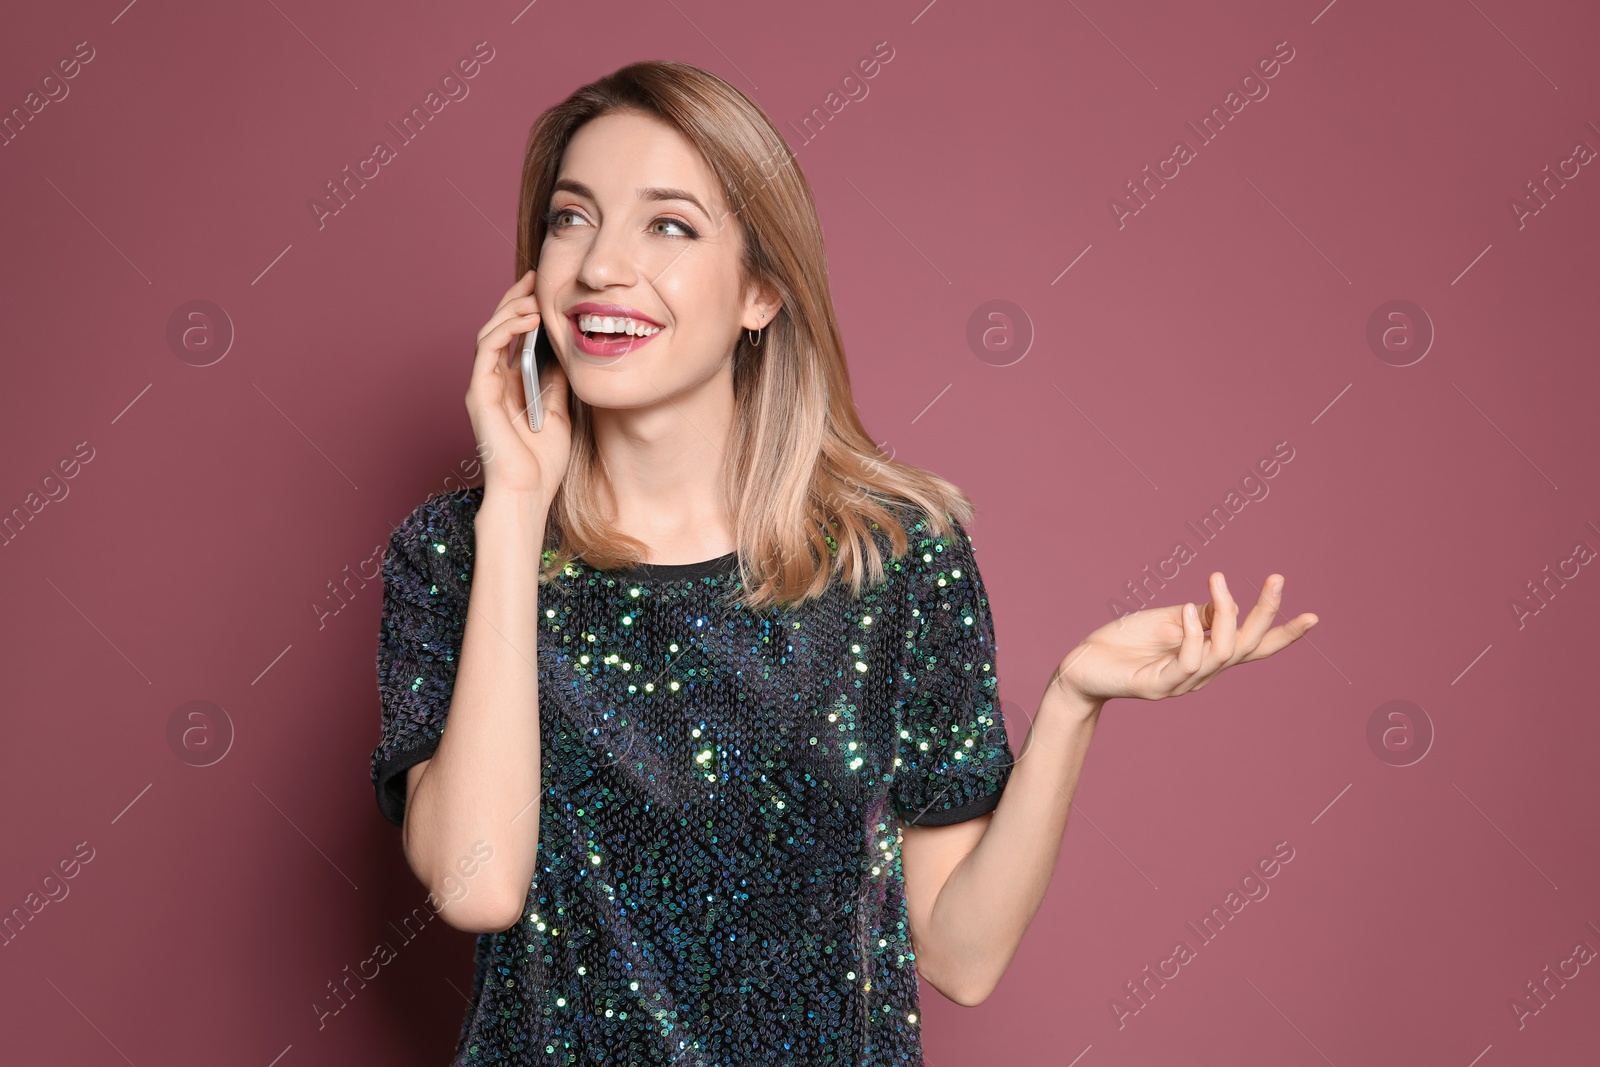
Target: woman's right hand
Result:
[517, 460]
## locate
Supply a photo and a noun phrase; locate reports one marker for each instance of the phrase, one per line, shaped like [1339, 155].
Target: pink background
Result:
[1181, 347]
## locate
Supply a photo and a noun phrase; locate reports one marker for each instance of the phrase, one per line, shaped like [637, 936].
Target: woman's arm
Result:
[479, 793]
[976, 890]
[973, 888]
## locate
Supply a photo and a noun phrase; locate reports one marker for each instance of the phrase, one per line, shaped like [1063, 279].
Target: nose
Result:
[609, 260]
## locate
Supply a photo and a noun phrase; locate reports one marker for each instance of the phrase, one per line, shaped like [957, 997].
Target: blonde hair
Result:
[805, 483]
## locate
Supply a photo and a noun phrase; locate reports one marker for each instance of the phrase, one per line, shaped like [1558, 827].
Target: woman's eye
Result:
[687, 231]
[555, 219]
[552, 218]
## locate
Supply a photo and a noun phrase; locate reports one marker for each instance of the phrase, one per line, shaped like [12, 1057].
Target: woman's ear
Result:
[763, 307]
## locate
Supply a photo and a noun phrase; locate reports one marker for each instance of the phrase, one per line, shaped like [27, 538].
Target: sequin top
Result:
[717, 878]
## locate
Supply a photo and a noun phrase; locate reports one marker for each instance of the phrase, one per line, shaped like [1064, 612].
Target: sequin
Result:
[718, 876]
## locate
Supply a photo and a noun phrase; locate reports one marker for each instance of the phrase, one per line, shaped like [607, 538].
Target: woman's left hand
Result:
[1164, 652]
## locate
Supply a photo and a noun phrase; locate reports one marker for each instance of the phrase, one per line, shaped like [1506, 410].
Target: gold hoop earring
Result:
[755, 341]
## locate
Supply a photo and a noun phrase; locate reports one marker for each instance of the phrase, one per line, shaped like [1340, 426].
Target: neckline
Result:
[702, 569]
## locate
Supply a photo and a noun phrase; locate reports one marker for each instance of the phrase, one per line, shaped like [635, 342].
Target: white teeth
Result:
[609, 324]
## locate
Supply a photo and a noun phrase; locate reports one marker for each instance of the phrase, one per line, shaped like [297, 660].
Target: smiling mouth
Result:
[598, 343]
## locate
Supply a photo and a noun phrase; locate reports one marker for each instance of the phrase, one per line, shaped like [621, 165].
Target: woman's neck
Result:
[664, 483]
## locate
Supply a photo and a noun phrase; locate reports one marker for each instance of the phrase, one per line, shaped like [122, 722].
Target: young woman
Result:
[691, 709]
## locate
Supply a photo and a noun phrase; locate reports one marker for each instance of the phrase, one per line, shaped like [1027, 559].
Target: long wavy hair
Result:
[805, 483]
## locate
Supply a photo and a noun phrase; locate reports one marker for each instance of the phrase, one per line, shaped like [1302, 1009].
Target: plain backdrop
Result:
[1378, 273]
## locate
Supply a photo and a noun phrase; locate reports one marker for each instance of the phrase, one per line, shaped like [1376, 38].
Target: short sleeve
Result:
[954, 758]
[427, 572]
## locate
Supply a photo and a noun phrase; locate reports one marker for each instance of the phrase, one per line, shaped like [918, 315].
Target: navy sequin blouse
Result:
[718, 874]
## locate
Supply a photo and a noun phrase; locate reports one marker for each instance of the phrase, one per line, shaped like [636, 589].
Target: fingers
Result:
[518, 299]
[1280, 637]
[1229, 643]
[1261, 616]
[516, 315]
[517, 306]
[1191, 651]
[1222, 613]
[1283, 636]
[521, 287]
[1224, 621]
[496, 338]
[1200, 659]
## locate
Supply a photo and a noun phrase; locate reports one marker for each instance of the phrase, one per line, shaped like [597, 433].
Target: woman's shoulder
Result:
[932, 557]
[431, 548]
[924, 532]
[448, 510]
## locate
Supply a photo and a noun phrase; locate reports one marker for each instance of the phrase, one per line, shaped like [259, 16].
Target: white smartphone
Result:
[532, 362]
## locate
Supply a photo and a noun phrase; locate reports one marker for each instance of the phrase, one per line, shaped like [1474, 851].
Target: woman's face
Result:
[637, 220]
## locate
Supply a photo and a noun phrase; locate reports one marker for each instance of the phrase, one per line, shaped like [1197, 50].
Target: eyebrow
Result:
[568, 185]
